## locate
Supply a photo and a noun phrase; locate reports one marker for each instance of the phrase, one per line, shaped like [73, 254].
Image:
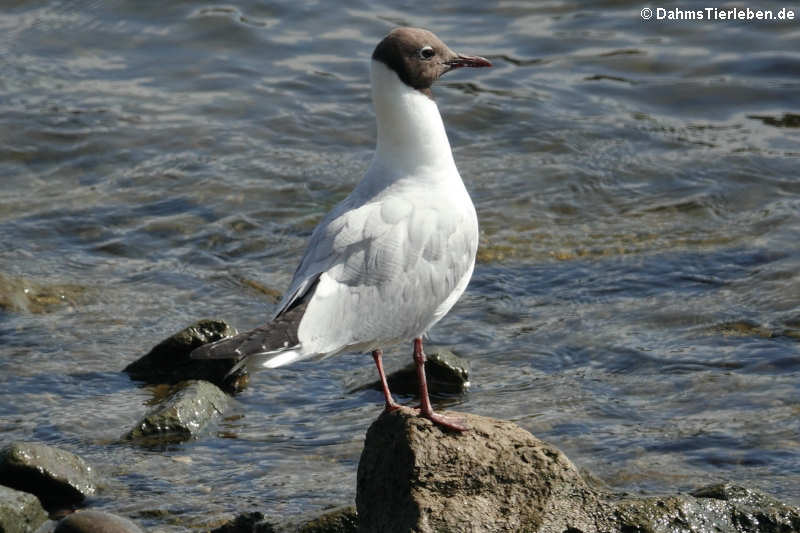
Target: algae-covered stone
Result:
[445, 371]
[20, 512]
[169, 361]
[23, 295]
[96, 522]
[56, 476]
[190, 406]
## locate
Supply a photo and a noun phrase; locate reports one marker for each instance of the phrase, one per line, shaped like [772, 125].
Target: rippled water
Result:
[637, 296]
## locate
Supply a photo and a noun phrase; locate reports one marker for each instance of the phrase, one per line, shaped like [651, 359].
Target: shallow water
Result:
[637, 296]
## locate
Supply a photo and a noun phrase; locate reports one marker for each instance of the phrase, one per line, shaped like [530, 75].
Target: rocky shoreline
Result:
[412, 476]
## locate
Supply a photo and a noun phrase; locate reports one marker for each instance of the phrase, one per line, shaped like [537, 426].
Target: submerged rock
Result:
[169, 361]
[413, 476]
[56, 476]
[336, 520]
[743, 328]
[96, 522]
[253, 522]
[20, 512]
[26, 296]
[445, 371]
[190, 406]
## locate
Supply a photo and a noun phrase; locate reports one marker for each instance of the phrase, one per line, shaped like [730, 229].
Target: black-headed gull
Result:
[391, 259]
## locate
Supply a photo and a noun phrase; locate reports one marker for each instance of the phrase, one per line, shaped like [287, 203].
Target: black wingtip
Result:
[226, 348]
[201, 352]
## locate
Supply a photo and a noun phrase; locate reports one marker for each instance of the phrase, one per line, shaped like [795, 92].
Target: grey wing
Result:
[394, 264]
[321, 252]
[372, 274]
[278, 340]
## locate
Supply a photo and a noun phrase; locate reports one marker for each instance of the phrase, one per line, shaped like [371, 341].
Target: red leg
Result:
[425, 408]
[377, 355]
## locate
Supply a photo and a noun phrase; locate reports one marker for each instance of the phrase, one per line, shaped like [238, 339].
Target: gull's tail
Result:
[271, 345]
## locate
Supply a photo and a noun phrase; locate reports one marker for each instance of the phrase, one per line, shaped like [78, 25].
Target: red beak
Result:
[468, 61]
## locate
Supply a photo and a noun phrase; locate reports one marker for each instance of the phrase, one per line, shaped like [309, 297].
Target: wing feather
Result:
[375, 272]
[390, 270]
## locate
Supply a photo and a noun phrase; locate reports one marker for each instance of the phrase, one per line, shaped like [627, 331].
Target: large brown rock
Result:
[414, 476]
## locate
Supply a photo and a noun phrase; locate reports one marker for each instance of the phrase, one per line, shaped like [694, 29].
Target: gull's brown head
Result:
[420, 58]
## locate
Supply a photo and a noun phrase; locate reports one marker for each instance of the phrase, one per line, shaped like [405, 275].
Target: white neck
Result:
[410, 129]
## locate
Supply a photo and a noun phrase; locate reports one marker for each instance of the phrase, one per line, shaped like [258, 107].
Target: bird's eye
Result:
[426, 52]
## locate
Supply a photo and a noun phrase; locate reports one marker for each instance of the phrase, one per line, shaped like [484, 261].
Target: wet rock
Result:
[413, 476]
[446, 373]
[722, 507]
[20, 512]
[56, 476]
[337, 520]
[751, 510]
[169, 361]
[787, 120]
[96, 522]
[253, 522]
[189, 407]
